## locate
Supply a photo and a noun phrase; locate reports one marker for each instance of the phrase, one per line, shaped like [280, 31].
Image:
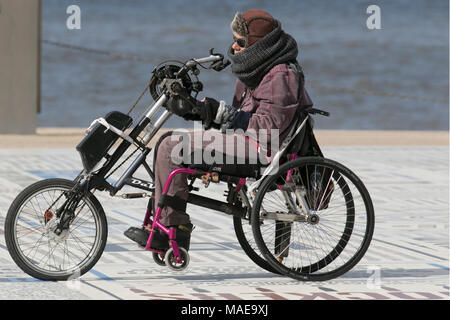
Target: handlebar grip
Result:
[220, 65]
[318, 111]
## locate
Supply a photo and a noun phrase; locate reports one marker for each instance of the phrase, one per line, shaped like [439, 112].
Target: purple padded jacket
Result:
[271, 105]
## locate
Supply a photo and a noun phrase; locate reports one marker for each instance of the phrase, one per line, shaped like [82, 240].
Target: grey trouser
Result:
[198, 149]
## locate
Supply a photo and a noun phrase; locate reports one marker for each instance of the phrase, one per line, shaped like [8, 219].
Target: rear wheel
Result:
[313, 220]
[244, 234]
[159, 259]
[35, 240]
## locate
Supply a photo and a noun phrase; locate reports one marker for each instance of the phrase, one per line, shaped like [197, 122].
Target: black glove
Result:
[178, 106]
[183, 107]
[207, 111]
[216, 114]
[192, 117]
[204, 111]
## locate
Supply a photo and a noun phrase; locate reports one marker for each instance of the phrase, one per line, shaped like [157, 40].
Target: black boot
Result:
[160, 240]
[183, 235]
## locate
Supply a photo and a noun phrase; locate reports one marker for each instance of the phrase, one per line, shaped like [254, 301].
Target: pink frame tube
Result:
[147, 216]
[171, 232]
[241, 183]
[289, 173]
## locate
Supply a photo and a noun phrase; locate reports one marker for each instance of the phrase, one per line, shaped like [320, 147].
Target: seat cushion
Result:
[237, 167]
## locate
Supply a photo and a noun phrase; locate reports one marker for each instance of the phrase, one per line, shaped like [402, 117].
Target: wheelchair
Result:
[302, 215]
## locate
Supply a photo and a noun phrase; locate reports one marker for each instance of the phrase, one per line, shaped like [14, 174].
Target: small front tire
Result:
[171, 262]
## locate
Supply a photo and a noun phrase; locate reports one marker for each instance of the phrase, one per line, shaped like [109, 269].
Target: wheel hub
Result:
[52, 234]
[313, 219]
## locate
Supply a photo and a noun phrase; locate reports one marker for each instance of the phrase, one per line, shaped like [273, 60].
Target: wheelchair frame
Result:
[97, 180]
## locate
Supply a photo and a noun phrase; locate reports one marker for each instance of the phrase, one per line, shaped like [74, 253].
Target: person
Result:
[269, 93]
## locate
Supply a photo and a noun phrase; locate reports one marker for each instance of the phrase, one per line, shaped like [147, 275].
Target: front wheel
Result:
[37, 242]
[313, 220]
[177, 263]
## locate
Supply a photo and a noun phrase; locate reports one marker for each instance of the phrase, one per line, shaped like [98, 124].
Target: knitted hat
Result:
[253, 25]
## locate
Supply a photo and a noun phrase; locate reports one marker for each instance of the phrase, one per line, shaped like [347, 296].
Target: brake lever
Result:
[220, 65]
[312, 110]
[211, 52]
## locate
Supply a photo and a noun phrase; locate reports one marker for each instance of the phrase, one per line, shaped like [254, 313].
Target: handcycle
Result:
[310, 218]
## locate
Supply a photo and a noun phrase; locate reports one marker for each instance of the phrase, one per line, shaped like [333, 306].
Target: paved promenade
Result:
[408, 180]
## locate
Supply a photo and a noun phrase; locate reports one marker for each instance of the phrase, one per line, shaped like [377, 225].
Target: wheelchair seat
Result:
[238, 168]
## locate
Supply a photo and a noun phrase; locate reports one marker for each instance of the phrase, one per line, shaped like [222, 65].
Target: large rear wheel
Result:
[313, 219]
[244, 234]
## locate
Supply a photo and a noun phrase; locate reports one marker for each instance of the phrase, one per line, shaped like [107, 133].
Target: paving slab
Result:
[408, 257]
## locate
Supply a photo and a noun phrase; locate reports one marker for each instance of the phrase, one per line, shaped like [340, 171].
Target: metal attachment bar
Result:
[158, 124]
[274, 163]
[156, 106]
[211, 58]
[108, 126]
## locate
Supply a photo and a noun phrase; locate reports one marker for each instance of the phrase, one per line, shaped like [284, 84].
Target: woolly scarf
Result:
[253, 63]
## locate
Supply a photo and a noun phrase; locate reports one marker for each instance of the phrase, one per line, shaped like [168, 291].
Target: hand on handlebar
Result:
[215, 114]
[193, 110]
[207, 110]
[212, 113]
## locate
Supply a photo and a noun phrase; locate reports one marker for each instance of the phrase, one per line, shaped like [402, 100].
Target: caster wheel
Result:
[159, 260]
[177, 265]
